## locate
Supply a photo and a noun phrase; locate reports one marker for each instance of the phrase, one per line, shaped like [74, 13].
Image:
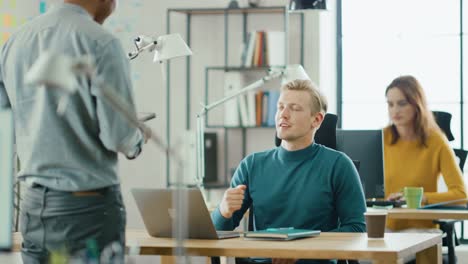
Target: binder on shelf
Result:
[211, 154]
[275, 46]
[251, 107]
[272, 103]
[258, 108]
[232, 83]
[287, 233]
[244, 115]
[266, 95]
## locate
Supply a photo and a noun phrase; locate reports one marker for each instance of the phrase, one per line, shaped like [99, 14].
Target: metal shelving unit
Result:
[245, 12]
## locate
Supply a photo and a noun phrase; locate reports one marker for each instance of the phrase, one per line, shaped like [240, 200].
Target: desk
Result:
[427, 214]
[392, 249]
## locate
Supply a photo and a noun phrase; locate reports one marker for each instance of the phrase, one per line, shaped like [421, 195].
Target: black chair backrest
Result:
[461, 154]
[325, 135]
[443, 121]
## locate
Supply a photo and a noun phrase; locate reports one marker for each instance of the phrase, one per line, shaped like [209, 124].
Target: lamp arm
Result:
[200, 160]
[131, 117]
[150, 47]
[252, 86]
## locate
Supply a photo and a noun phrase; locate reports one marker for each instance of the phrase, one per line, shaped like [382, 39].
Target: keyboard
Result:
[372, 202]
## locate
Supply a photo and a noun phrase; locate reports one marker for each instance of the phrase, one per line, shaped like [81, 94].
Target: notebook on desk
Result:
[281, 234]
[448, 205]
[156, 209]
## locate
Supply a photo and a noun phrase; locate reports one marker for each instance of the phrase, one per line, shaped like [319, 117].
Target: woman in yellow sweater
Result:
[416, 151]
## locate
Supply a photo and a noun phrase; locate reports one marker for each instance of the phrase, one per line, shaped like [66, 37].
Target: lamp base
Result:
[306, 4]
[233, 4]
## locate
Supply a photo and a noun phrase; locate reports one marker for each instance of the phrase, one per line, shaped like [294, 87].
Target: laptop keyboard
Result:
[371, 203]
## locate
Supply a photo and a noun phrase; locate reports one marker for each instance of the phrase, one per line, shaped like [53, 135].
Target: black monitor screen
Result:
[365, 148]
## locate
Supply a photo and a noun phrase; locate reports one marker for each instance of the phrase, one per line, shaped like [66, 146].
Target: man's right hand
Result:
[232, 200]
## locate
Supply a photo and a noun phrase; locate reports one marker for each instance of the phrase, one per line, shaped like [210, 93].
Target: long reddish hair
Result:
[424, 120]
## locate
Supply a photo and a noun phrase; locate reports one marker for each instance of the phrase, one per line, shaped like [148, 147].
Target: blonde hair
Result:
[318, 102]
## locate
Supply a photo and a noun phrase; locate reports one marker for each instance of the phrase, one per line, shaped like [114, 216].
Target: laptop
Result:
[157, 211]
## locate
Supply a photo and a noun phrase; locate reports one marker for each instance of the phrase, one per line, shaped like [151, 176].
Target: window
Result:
[384, 39]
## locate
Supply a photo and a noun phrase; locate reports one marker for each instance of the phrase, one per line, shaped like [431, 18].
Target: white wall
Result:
[148, 17]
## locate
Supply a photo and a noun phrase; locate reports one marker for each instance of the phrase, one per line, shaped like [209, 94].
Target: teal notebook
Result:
[281, 234]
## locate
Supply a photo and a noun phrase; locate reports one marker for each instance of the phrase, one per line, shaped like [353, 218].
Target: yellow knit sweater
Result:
[407, 163]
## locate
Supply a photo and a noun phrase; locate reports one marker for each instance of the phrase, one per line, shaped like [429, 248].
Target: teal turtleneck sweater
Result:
[313, 188]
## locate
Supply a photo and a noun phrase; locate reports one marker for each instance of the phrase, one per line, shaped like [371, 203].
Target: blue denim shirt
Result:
[76, 151]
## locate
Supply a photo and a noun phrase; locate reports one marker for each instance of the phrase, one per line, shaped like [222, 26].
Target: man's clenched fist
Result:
[232, 200]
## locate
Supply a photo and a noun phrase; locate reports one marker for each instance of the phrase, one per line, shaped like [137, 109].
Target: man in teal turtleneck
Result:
[299, 184]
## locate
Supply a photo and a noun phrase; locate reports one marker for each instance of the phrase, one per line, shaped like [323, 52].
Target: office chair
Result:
[448, 226]
[325, 135]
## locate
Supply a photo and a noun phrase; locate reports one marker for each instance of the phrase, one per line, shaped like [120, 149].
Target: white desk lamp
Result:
[287, 74]
[165, 47]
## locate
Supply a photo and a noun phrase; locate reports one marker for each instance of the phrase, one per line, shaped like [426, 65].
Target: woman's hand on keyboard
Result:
[396, 197]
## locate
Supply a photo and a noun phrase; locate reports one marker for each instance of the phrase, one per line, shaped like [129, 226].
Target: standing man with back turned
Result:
[300, 184]
[69, 162]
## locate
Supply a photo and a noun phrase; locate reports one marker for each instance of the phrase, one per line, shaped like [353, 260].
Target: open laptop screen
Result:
[6, 179]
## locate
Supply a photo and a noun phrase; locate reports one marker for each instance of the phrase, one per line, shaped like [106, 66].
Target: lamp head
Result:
[171, 46]
[165, 47]
[294, 72]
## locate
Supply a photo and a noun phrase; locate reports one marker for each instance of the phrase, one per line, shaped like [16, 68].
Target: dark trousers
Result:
[64, 221]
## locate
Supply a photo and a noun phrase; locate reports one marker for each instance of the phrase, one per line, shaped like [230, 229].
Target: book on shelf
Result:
[251, 107]
[243, 110]
[264, 48]
[258, 108]
[272, 105]
[284, 233]
[266, 95]
[249, 50]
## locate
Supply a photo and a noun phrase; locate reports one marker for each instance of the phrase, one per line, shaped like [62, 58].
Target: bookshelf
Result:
[244, 22]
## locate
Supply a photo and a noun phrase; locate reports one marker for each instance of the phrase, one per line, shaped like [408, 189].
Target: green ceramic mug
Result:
[413, 196]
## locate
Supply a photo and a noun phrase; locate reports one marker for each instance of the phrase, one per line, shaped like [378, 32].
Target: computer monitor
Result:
[365, 147]
[6, 179]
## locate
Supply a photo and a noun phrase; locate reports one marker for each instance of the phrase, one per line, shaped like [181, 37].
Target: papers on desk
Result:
[449, 205]
[287, 233]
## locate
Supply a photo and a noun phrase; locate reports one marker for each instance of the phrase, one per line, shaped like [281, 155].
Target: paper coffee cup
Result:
[375, 222]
